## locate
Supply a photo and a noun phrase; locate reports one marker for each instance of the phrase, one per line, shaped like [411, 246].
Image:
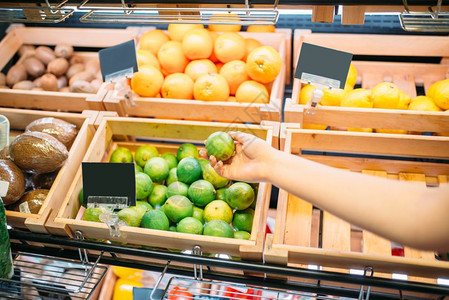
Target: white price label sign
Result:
[4, 185]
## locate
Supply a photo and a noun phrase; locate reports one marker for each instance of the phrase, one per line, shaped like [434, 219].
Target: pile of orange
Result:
[214, 64]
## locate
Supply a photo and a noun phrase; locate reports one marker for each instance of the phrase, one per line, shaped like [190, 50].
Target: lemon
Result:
[386, 95]
[332, 97]
[351, 79]
[358, 98]
[306, 94]
[439, 92]
[423, 103]
[404, 100]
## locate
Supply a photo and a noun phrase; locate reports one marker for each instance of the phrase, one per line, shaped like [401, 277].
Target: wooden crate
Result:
[305, 235]
[19, 119]
[209, 110]
[407, 76]
[166, 135]
[78, 37]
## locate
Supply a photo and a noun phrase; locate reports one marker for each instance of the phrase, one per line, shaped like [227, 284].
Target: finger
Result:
[203, 154]
[213, 160]
[218, 167]
[240, 136]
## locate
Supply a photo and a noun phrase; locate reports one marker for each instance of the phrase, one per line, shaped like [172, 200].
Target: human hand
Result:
[250, 162]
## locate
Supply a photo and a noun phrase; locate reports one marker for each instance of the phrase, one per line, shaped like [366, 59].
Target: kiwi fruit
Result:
[33, 199]
[34, 66]
[15, 74]
[49, 82]
[63, 50]
[38, 152]
[23, 85]
[45, 54]
[62, 82]
[58, 67]
[11, 173]
[64, 131]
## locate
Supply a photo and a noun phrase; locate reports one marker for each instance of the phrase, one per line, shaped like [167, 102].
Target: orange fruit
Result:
[145, 57]
[219, 66]
[252, 92]
[230, 46]
[197, 44]
[152, 40]
[235, 74]
[172, 58]
[177, 86]
[211, 87]
[177, 31]
[264, 64]
[196, 68]
[147, 82]
[224, 27]
[261, 28]
[214, 36]
[251, 44]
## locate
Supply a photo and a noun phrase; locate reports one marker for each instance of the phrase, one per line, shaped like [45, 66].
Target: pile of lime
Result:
[184, 193]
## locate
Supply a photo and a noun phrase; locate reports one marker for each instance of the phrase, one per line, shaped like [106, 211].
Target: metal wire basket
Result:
[45, 277]
[431, 21]
[39, 13]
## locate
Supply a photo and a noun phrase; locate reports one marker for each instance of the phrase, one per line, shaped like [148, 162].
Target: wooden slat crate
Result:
[305, 235]
[407, 76]
[209, 110]
[78, 37]
[166, 135]
[19, 119]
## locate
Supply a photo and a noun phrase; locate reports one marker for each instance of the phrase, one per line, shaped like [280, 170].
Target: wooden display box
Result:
[208, 110]
[408, 76]
[19, 119]
[166, 135]
[78, 37]
[305, 235]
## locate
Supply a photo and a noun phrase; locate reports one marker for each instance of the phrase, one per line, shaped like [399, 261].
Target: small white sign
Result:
[4, 186]
[24, 208]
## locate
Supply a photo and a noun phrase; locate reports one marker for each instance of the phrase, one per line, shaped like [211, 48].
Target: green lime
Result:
[221, 145]
[177, 188]
[92, 214]
[162, 208]
[198, 213]
[201, 192]
[190, 225]
[218, 209]
[144, 185]
[145, 153]
[186, 150]
[240, 195]
[157, 169]
[138, 168]
[131, 215]
[155, 219]
[121, 155]
[218, 228]
[172, 177]
[220, 194]
[144, 204]
[178, 207]
[172, 228]
[243, 219]
[158, 195]
[171, 160]
[81, 198]
[188, 170]
[212, 176]
[242, 235]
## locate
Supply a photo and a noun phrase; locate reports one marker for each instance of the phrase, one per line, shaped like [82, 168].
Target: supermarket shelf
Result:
[135, 258]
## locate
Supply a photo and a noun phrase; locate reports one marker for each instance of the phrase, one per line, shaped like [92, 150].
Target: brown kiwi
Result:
[58, 66]
[34, 67]
[64, 131]
[49, 82]
[37, 82]
[11, 173]
[74, 69]
[23, 85]
[2, 79]
[45, 54]
[63, 50]
[15, 74]
[62, 82]
[85, 75]
[38, 152]
[76, 59]
[33, 199]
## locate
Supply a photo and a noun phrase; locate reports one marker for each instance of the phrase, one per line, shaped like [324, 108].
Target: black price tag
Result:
[118, 61]
[323, 66]
[109, 184]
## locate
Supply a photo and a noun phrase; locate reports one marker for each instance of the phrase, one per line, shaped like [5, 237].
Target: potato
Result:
[74, 69]
[76, 59]
[2, 79]
[82, 86]
[45, 54]
[63, 50]
[58, 66]
[81, 76]
[49, 82]
[62, 82]
[15, 74]
[34, 67]
[92, 66]
[26, 49]
[23, 85]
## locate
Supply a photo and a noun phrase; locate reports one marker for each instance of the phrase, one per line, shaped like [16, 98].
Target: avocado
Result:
[11, 173]
[38, 152]
[64, 131]
[34, 200]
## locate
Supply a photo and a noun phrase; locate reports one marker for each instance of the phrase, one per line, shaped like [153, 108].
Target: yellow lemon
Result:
[404, 100]
[357, 98]
[316, 127]
[360, 129]
[423, 103]
[394, 131]
[351, 79]
[127, 273]
[439, 92]
[306, 94]
[386, 95]
[332, 97]
[123, 289]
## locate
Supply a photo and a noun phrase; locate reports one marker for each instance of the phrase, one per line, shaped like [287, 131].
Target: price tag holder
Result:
[322, 67]
[111, 185]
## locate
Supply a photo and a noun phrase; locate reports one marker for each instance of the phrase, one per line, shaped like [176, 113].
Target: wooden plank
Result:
[431, 79]
[405, 83]
[353, 15]
[9, 45]
[336, 233]
[298, 222]
[370, 80]
[323, 13]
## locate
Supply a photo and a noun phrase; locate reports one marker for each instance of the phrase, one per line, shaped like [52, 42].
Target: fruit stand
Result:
[208, 69]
